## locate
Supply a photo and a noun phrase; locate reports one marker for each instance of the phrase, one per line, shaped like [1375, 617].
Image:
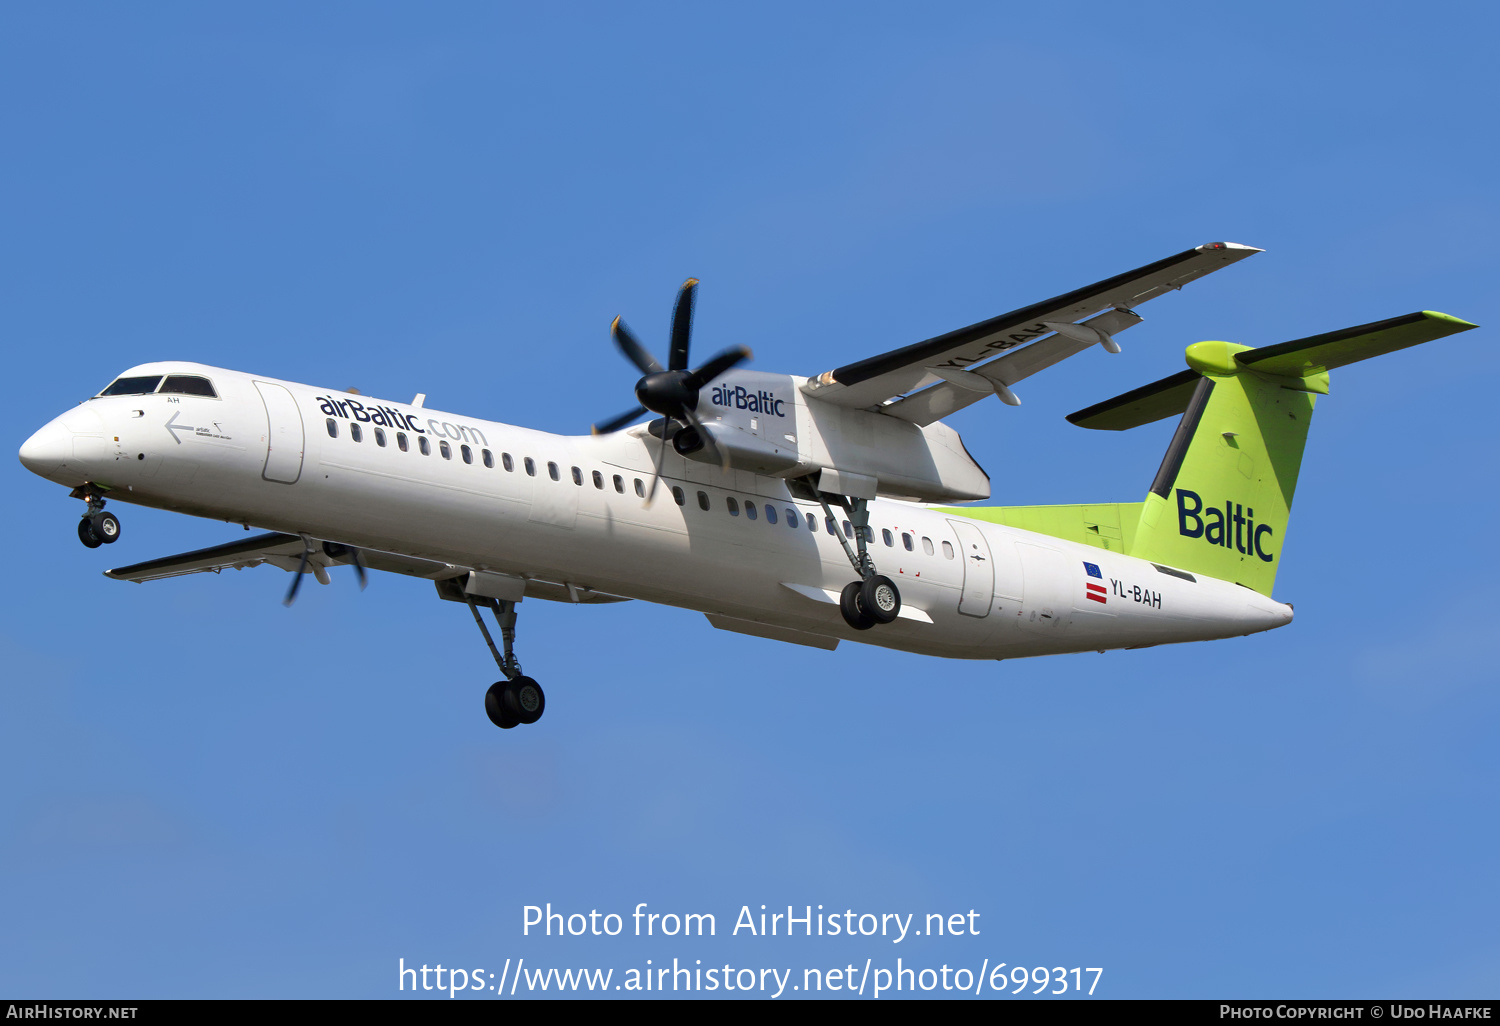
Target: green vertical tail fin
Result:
[1220, 501]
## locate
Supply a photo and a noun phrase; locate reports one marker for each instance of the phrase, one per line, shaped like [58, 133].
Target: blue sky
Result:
[209, 795]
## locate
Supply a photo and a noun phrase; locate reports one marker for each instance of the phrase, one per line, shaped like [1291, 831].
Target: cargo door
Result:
[1046, 603]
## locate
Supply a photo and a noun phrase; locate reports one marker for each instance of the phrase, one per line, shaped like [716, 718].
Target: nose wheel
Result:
[97, 527]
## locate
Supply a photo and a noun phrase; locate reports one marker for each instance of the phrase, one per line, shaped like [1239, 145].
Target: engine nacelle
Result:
[744, 451]
[763, 423]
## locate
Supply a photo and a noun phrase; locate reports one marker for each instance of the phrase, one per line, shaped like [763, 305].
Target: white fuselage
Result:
[262, 454]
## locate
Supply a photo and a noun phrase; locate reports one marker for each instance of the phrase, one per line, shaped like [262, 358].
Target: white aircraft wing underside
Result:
[275, 549]
[869, 383]
[936, 402]
[285, 551]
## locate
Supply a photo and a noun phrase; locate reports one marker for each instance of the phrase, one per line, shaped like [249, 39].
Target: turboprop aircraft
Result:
[806, 510]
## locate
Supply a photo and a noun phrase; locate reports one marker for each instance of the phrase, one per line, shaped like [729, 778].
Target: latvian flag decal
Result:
[1095, 591]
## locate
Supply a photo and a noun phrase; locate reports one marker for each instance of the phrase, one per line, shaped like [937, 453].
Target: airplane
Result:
[807, 510]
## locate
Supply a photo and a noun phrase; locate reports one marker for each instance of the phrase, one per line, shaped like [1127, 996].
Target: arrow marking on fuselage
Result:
[178, 427]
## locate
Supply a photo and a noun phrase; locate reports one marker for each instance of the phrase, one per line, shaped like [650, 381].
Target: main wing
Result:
[946, 373]
[285, 551]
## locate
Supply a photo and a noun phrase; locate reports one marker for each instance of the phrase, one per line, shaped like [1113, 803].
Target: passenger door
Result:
[284, 438]
[979, 569]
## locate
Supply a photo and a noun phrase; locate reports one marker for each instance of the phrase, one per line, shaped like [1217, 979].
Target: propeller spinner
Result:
[672, 391]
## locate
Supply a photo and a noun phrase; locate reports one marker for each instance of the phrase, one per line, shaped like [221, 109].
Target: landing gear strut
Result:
[517, 699]
[873, 598]
[97, 527]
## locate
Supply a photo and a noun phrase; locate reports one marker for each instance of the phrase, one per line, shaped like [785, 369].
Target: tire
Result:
[86, 534]
[106, 527]
[879, 599]
[525, 699]
[495, 707]
[849, 605]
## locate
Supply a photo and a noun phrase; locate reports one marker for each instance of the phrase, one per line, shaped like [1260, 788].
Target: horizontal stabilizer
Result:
[1307, 356]
[1304, 358]
[1165, 398]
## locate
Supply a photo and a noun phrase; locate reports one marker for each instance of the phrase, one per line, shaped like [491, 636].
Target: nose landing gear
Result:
[97, 527]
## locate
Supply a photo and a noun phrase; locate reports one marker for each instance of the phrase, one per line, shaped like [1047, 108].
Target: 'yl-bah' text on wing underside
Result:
[951, 371]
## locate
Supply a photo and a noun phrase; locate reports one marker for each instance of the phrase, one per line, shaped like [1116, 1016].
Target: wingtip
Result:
[1247, 250]
[1458, 322]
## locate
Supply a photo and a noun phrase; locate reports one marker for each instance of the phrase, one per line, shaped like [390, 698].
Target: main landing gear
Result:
[97, 527]
[873, 598]
[517, 699]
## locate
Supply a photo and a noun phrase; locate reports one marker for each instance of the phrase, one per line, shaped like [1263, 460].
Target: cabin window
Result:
[507, 462]
[619, 484]
[927, 545]
[640, 489]
[424, 445]
[380, 437]
[598, 480]
[133, 386]
[792, 518]
[446, 450]
[679, 495]
[466, 453]
[578, 477]
[356, 433]
[734, 506]
[188, 384]
[906, 540]
[333, 428]
[553, 472]
[703, 503]
[488, 458]
[848, 529]
[885, 535]
[401, 441]
[947, 550]
[869, 535]
[770, 513]
[832, 525]
[750, 511]
[812, 523]
[530, 465]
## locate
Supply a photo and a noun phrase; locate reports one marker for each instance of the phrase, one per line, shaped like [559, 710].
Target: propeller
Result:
[672, 391]
[333, 550]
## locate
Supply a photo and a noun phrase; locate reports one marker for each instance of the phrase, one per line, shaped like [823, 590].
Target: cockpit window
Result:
[188, 384]
[133, 386]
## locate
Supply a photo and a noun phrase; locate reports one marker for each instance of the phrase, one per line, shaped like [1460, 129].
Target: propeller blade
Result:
[708, 440]
[682, 325]
[717, 365]
[661, 457]
[611, 426]
[291, 594]
[359, 569]
[633, 350]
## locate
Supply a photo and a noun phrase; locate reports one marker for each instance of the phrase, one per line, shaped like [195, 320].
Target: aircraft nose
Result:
[45, 452]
